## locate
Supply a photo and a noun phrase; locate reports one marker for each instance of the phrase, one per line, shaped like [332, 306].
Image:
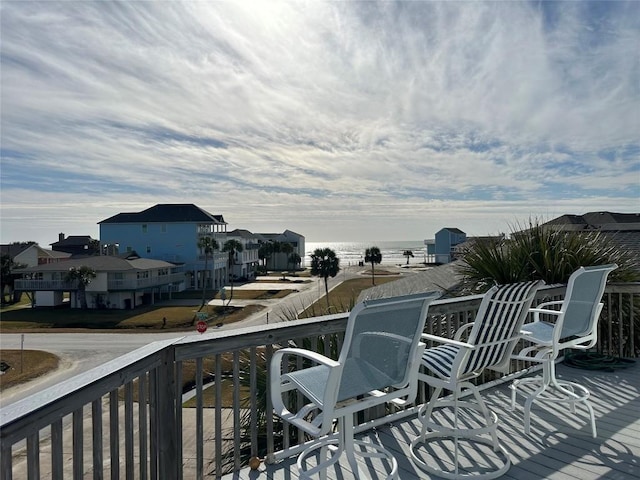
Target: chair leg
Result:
[432, 431]
[426, 410]
[550, 389]
[344, 444]
[487, 418]
[348, 441]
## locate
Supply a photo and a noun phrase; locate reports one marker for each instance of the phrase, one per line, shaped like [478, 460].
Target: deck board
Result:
[560, 446]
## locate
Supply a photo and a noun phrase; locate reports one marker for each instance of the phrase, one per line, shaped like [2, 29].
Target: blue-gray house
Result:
[170, 232]
[445, 241]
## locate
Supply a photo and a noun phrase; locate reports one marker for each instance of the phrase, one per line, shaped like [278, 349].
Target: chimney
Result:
[60, 237]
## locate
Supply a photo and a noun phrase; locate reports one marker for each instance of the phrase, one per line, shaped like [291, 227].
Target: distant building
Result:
[280, 260]
[76, 245]
[171, 232]
[123, 282]
[247, 260]
[621, 228]
[442, 249]
[31, 254]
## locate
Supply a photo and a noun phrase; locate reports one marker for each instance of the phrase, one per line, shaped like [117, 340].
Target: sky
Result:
[341, 121]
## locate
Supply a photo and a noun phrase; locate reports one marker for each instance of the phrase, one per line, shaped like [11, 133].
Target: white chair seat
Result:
[539, 332]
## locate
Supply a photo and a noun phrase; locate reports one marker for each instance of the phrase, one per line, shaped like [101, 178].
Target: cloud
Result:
[330, 118]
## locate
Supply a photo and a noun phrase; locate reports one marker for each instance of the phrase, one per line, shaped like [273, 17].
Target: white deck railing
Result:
[93, 424]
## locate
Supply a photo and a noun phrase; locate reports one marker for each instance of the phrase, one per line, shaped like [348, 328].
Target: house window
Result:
[129, 249]
[148, 249]
[144, 228]
[163, 228]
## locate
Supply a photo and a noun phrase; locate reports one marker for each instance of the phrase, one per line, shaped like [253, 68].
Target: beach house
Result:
[171, 232]
[121, 282]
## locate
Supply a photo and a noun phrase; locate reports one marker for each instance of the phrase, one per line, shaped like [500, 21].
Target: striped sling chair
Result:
[452, 428]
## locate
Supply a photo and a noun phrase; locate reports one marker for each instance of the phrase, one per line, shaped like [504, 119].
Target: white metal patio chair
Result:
[575, 327]
[490, 340]
[378, 363]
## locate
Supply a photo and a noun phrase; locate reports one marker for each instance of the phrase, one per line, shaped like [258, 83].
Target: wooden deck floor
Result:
[560, 446]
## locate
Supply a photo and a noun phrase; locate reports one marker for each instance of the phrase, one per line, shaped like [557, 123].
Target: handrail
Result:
[50, 403]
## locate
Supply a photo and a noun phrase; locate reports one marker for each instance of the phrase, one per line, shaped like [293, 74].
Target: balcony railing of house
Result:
[136, 283]
[112, 284]
[219, 257]
[126, 418]
[27, 285]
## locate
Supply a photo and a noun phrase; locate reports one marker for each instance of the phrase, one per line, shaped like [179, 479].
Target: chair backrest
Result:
[497, 326]
[381, 342]
[581, 305]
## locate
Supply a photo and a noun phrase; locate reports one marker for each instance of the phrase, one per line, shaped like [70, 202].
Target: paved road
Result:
[80, 352]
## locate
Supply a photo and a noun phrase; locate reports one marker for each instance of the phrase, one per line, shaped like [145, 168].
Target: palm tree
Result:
[208, 245]
[408, 253]
[8, 277]
[540, 253]
[264, 253]
[294, 259]
[276, 247]
[372, 255]
[82, 276]
[232, 247]
[325, 264]
[287, 249]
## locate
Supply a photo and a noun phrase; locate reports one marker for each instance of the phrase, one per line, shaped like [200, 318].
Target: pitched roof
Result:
[606, 221]
[242, 233]
[167, 213]
[101, 263]
[442, 278]
[74, 240]
[454, 230]
[13, 249]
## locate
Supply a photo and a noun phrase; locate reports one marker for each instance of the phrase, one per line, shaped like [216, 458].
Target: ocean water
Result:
[350, 253]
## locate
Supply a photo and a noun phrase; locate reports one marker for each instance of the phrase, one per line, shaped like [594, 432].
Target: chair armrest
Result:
[461, 330]
[321, 424]
[384, 334]
[301, 352]
[450, 341]
[544, 311]
[548, 304]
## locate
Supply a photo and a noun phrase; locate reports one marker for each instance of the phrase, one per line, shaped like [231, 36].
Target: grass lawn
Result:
[255, 294]
[344, 296]
[25, 366]
[141, 319]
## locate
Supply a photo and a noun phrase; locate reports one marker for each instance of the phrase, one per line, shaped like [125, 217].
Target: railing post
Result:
[167, 424]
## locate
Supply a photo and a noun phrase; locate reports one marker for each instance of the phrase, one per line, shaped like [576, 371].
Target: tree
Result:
[232, 247]
[294, 259]
[541, 253]
[7, 277]
[208, 245]
[408, 253]
[82, 277]
[325, 264]
[287, 249]
[264, 253]
[276, 247]
[372, 255]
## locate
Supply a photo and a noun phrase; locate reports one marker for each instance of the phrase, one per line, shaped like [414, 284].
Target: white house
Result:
[122, 282]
